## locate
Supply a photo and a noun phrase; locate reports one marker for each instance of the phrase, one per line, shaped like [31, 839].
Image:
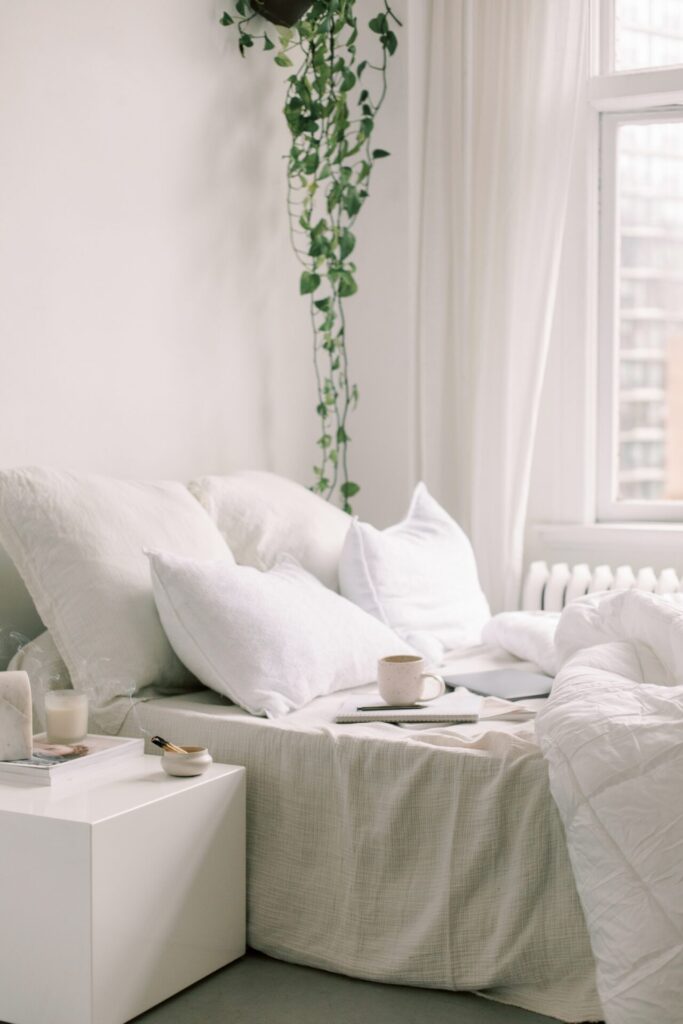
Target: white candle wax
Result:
[66, 716]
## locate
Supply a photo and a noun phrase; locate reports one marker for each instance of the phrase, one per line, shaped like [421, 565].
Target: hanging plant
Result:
[331, 107]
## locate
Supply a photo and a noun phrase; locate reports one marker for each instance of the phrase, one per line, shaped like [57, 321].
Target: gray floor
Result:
[258, 990]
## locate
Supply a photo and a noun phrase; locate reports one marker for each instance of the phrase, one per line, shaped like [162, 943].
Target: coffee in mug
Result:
[401, 679]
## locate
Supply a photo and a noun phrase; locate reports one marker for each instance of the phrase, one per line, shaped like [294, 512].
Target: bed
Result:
[430, 857]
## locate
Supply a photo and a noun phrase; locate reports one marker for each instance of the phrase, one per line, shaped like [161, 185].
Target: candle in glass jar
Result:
[66, 716]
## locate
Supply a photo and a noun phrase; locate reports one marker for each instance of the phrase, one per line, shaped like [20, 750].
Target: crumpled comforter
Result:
[612, 734]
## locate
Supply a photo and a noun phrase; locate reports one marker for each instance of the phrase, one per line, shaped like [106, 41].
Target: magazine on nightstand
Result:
[58, 762]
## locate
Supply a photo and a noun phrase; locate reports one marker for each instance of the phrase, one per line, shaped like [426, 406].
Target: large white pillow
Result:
[263, 516]
[78, 544]
[419, 577]
[271, 641]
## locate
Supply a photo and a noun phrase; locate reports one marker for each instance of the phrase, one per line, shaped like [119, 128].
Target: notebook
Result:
[507, 683]
[459, 706]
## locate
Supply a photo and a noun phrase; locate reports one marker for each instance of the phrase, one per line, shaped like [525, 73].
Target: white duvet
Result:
[612, 734]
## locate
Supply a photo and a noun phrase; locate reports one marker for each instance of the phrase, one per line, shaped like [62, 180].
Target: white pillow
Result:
[530, 636]
[77, 542]
[263, 516]
[419, 577]
[270, 641]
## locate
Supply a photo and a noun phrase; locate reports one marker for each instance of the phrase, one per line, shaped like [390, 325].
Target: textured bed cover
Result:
[423, 857]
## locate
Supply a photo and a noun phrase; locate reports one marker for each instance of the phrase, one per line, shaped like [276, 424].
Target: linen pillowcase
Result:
[264, 516]
[78, 544]
[419, 577]
[271, 641]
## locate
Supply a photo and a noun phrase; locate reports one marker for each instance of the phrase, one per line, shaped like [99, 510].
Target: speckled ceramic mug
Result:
[401, 679]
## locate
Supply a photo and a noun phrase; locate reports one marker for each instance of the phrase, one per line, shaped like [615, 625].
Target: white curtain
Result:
[496, 92]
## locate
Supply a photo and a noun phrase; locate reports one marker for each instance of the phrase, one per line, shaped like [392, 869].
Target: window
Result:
[647, 34]
[640, 338]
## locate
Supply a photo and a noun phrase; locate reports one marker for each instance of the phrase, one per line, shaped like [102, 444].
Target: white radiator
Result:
[550, 588]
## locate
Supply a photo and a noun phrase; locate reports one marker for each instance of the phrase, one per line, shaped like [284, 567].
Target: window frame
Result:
[615, 98]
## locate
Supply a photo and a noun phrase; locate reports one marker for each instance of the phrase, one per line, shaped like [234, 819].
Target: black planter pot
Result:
[281, 12]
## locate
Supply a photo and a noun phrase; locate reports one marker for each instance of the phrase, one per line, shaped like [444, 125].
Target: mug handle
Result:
[442, 685]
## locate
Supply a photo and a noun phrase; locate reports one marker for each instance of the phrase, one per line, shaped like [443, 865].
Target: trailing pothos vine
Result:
[331, 105]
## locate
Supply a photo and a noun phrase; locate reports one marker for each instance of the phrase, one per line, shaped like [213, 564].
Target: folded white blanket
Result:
[612, 733]
[528, 635]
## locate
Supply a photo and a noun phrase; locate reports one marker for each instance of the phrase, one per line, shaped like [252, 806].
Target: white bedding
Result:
[612, 732]
[432, 858]
[526, 635]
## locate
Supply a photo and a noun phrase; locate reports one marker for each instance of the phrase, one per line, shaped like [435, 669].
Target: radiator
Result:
[550, 588]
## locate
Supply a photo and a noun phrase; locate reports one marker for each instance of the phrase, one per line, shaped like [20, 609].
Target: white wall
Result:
[380, 329]
[149, 317]
[150, 322]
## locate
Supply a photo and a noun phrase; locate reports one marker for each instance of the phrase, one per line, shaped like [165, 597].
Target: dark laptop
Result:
[504, 682]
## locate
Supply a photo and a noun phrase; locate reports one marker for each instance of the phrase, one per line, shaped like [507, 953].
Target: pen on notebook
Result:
[391, 707]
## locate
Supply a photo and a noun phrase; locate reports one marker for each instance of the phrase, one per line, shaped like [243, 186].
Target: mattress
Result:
[430, 857]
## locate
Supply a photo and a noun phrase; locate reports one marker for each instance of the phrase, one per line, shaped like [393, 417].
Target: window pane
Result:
[647, 33]
[650, 304]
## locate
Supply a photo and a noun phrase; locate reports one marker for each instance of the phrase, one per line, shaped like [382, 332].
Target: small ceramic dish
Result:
[194, 761]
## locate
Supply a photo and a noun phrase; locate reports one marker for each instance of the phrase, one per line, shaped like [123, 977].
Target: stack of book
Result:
[59, 762]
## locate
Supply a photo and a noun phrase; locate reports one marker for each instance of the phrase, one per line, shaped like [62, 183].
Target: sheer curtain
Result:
[496, 89]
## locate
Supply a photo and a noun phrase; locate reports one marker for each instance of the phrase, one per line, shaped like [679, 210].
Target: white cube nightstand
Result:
[118, 891]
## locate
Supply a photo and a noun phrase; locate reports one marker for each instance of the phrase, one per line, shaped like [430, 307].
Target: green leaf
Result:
[342, 436]
[321, 410]
[311, 162]
[391, 43]
[268, 43]
[347, 242]
[361, 68]
[348, 489]
[325, 441]
[241, 7]
[319, 247]
[351, 201]
[347, 285]
[379, 153]
[348, 80]
[322, 304]
[283, 61]
[379, 24]
[226, 19]
[309, 282]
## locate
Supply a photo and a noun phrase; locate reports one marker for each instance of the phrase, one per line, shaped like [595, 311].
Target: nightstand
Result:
[118, 891]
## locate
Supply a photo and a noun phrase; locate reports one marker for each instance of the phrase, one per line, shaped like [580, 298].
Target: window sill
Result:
[636, 544]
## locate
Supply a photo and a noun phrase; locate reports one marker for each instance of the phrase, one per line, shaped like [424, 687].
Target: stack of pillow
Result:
[247, 583]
